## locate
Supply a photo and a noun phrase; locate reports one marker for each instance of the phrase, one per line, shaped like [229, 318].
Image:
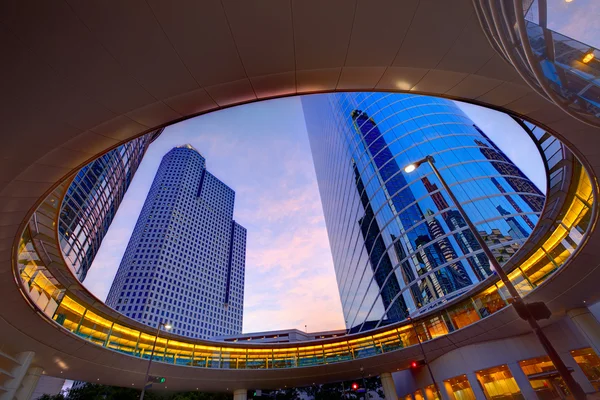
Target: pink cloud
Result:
[265, 157]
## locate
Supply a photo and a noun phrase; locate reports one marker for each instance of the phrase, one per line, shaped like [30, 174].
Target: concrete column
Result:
[587, 325]
[29, 383]
[12, 386]
[429, 393]
[240, 394]
[475, 386]
[522, 381]
[446, 391]
[389, 388]
[577, 374]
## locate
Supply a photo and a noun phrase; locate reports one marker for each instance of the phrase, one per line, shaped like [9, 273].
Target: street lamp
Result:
[167, 326]
[421, 344]
[520, 306]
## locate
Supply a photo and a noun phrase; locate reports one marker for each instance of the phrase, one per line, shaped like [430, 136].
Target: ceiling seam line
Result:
[109, 53]
[407, 30]
[488, 91]
[348, 46]
[294, 47]
[237, 50]
[455, 41]
[176, 52]
[56, 73]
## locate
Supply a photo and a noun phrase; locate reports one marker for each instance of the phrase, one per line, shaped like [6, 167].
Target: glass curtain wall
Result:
[400, 247]
[92, 200]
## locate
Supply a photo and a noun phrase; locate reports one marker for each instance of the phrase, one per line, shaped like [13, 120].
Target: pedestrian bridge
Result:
[80, 78]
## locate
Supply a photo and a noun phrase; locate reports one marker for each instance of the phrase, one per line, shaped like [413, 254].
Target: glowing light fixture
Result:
[410, 168]
[168, 326]
[588, 57]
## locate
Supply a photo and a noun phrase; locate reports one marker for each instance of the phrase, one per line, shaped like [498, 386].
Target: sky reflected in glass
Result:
[261, 150]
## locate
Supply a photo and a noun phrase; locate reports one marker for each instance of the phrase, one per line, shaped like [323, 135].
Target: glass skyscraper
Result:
[92, 200]
[399, 245]
[185, 261]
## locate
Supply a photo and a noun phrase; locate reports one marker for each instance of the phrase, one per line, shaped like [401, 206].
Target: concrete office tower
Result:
[399, 245]
[184, 263]
[92, 201]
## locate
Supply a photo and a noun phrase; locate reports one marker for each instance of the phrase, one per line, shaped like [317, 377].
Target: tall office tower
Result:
[513, 175]
[184, 263]
[92, 200]
[399, 245]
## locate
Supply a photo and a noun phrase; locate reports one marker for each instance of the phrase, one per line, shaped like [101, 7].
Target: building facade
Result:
[281, 336]
[92, 201]
[184, 263]
[399, 245]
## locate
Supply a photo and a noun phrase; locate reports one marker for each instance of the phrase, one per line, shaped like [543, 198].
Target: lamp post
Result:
[425, 357]
[518, 302]
[167, 327]
[362, 372]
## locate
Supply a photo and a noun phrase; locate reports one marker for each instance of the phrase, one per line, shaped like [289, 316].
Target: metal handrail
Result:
[54, 291]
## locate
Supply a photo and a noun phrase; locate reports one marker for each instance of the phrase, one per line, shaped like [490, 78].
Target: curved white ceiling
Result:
[79, 77]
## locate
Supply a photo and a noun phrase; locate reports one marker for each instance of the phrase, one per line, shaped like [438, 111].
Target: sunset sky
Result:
[261, 150]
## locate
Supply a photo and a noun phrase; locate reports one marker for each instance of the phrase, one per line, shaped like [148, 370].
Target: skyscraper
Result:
[92, 200]
[184, 263]
[513, 175]
[399, 245]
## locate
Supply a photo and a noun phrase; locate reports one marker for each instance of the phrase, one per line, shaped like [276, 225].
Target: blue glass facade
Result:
[557, 57]
[185, 261]
[399, 245]
[92, 200]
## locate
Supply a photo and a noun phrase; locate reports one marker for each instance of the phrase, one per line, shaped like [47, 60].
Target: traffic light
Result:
[417, 363]
[157, 379]
[354, 386]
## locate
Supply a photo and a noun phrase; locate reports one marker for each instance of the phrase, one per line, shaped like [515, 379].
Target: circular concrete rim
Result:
[292, 47]
[412, 354]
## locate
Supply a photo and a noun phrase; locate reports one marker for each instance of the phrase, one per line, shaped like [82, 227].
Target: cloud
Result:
[573, 20]
[262, 152]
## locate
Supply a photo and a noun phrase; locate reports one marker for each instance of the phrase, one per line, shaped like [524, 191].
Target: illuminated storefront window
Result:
[431, 393]
[498, 383]
[419, 395]
[589, 362]
[544, 378]
[104, 327]
[458, 388]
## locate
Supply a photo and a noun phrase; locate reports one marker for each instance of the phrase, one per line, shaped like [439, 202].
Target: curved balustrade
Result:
[52, 288]
[559, 68]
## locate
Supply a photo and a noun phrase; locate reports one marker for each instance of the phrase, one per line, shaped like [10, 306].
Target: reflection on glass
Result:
[104, 330]
[554, 48]
[400, 247]
[92, 200]
[551, 249]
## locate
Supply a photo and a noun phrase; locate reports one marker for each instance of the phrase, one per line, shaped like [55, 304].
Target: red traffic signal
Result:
[414, 364]
[354, 386]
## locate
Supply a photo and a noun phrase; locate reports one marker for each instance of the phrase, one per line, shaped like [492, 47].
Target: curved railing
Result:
[563, 228]
[559, 68]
